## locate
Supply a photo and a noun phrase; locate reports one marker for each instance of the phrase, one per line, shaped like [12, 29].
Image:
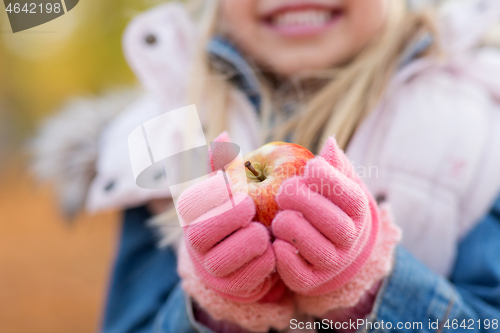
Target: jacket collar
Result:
[226, 57]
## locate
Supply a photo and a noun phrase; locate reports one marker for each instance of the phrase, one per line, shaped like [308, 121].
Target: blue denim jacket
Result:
[145, 293]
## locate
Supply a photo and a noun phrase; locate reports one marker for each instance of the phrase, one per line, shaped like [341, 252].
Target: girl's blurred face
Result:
[291, 36]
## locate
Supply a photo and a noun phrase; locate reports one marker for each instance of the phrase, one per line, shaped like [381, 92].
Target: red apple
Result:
[266, 169]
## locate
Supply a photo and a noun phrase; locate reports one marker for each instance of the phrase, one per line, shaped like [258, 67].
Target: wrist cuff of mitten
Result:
[255, 317]
[378, 266]
[352, 314]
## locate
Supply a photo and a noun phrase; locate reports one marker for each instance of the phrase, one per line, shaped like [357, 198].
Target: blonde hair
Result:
[339, 106]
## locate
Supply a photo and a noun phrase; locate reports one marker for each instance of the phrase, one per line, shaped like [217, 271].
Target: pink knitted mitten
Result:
[328, 227]
[354, 300]
[230, 253]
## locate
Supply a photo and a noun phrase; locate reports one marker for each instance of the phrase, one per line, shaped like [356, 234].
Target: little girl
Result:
[415, 103]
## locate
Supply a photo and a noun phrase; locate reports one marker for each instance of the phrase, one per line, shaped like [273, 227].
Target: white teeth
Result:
[310, 17]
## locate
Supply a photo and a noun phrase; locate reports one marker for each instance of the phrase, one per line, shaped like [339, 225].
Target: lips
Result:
[302, 20]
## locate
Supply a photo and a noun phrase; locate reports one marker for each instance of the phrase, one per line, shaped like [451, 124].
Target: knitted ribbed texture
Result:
[255, 317]
[377, 267]
[360, 311]
[246, 285]
[202, 198]
[199, 200]
[232, 254]
[327, 230]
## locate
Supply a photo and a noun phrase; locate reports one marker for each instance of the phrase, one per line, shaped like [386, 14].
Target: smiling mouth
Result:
[299, 21]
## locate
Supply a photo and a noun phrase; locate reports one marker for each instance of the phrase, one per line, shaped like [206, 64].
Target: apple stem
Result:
[250, 167]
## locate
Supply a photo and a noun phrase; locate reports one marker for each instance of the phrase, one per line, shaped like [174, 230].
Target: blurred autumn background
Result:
[53, 275]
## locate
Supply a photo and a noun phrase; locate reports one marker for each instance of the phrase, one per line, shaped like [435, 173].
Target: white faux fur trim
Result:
[66, 147]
